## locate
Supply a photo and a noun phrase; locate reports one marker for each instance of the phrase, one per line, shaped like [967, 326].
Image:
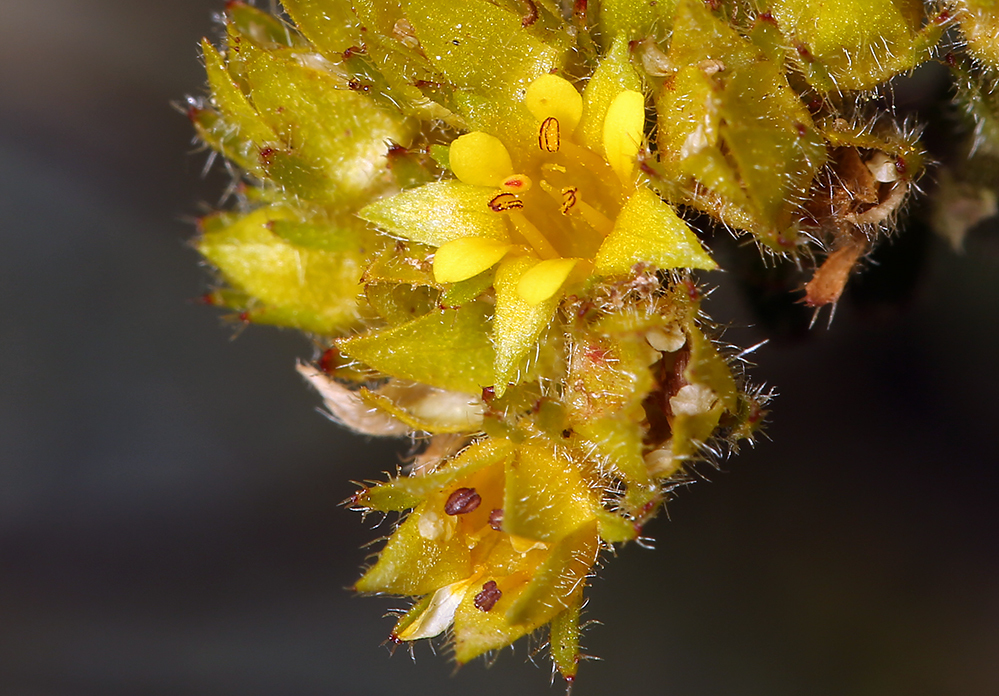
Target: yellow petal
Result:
[544, 280]
[466, 257]
[480, 159]
[623, 133]
[551, 95]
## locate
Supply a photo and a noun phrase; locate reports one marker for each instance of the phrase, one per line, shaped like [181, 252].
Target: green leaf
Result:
[448, 349]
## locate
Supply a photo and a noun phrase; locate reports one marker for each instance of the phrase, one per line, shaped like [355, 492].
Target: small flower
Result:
[562, 215]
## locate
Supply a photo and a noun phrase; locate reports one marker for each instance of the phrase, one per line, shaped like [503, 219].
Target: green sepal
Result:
[615, 529]
[423, 555]
[855, 44]
[467, 290]
[448, 349]
[635, 20]
[649, 231]
[438, 213]
[559, 581]
[330, 135]
[518, 325]
[477, 46]
[707, 367]
[423, 412]
[262, 27]
[619, 439]
[405, 492]
[330, 24]
[546, 496]
[243, 132]
[400, 303]
[311, 289]
[614, 75]
[564, 640]
[403, 262]
[727, 106]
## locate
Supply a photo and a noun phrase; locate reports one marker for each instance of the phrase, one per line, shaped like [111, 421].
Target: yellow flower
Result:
[563, 214]
[499, 543]
[558, 226]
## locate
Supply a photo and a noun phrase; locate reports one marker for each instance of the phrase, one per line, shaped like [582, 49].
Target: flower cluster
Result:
[479, 209]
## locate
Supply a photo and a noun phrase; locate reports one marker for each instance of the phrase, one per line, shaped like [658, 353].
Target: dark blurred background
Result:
[169, 519]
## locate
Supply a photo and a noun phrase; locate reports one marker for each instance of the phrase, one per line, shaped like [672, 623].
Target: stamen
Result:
[597, 220]
[533, 236]
[503, 202]
[548, 137]
[568, 199]
[572, 200]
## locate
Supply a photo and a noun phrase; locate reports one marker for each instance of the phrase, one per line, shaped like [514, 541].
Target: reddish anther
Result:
[488, 394]
[329, 359]
[486, 600]
[496, 519]
[462, 501]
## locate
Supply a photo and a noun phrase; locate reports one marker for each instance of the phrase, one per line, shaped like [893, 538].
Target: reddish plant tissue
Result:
[486, 600]
[462, 501]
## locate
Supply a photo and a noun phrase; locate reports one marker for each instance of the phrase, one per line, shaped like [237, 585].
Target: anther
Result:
[548, 136]
[568, 199]
[486, 600]
[505, 201]
[462, 501]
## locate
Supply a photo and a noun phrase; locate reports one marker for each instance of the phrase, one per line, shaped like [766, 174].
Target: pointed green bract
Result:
[316, 289]
[439, 213]
[518, 324]
[649, 231]
[449, 349]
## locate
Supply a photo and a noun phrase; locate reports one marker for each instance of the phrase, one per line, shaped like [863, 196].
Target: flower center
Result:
[578, 199]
